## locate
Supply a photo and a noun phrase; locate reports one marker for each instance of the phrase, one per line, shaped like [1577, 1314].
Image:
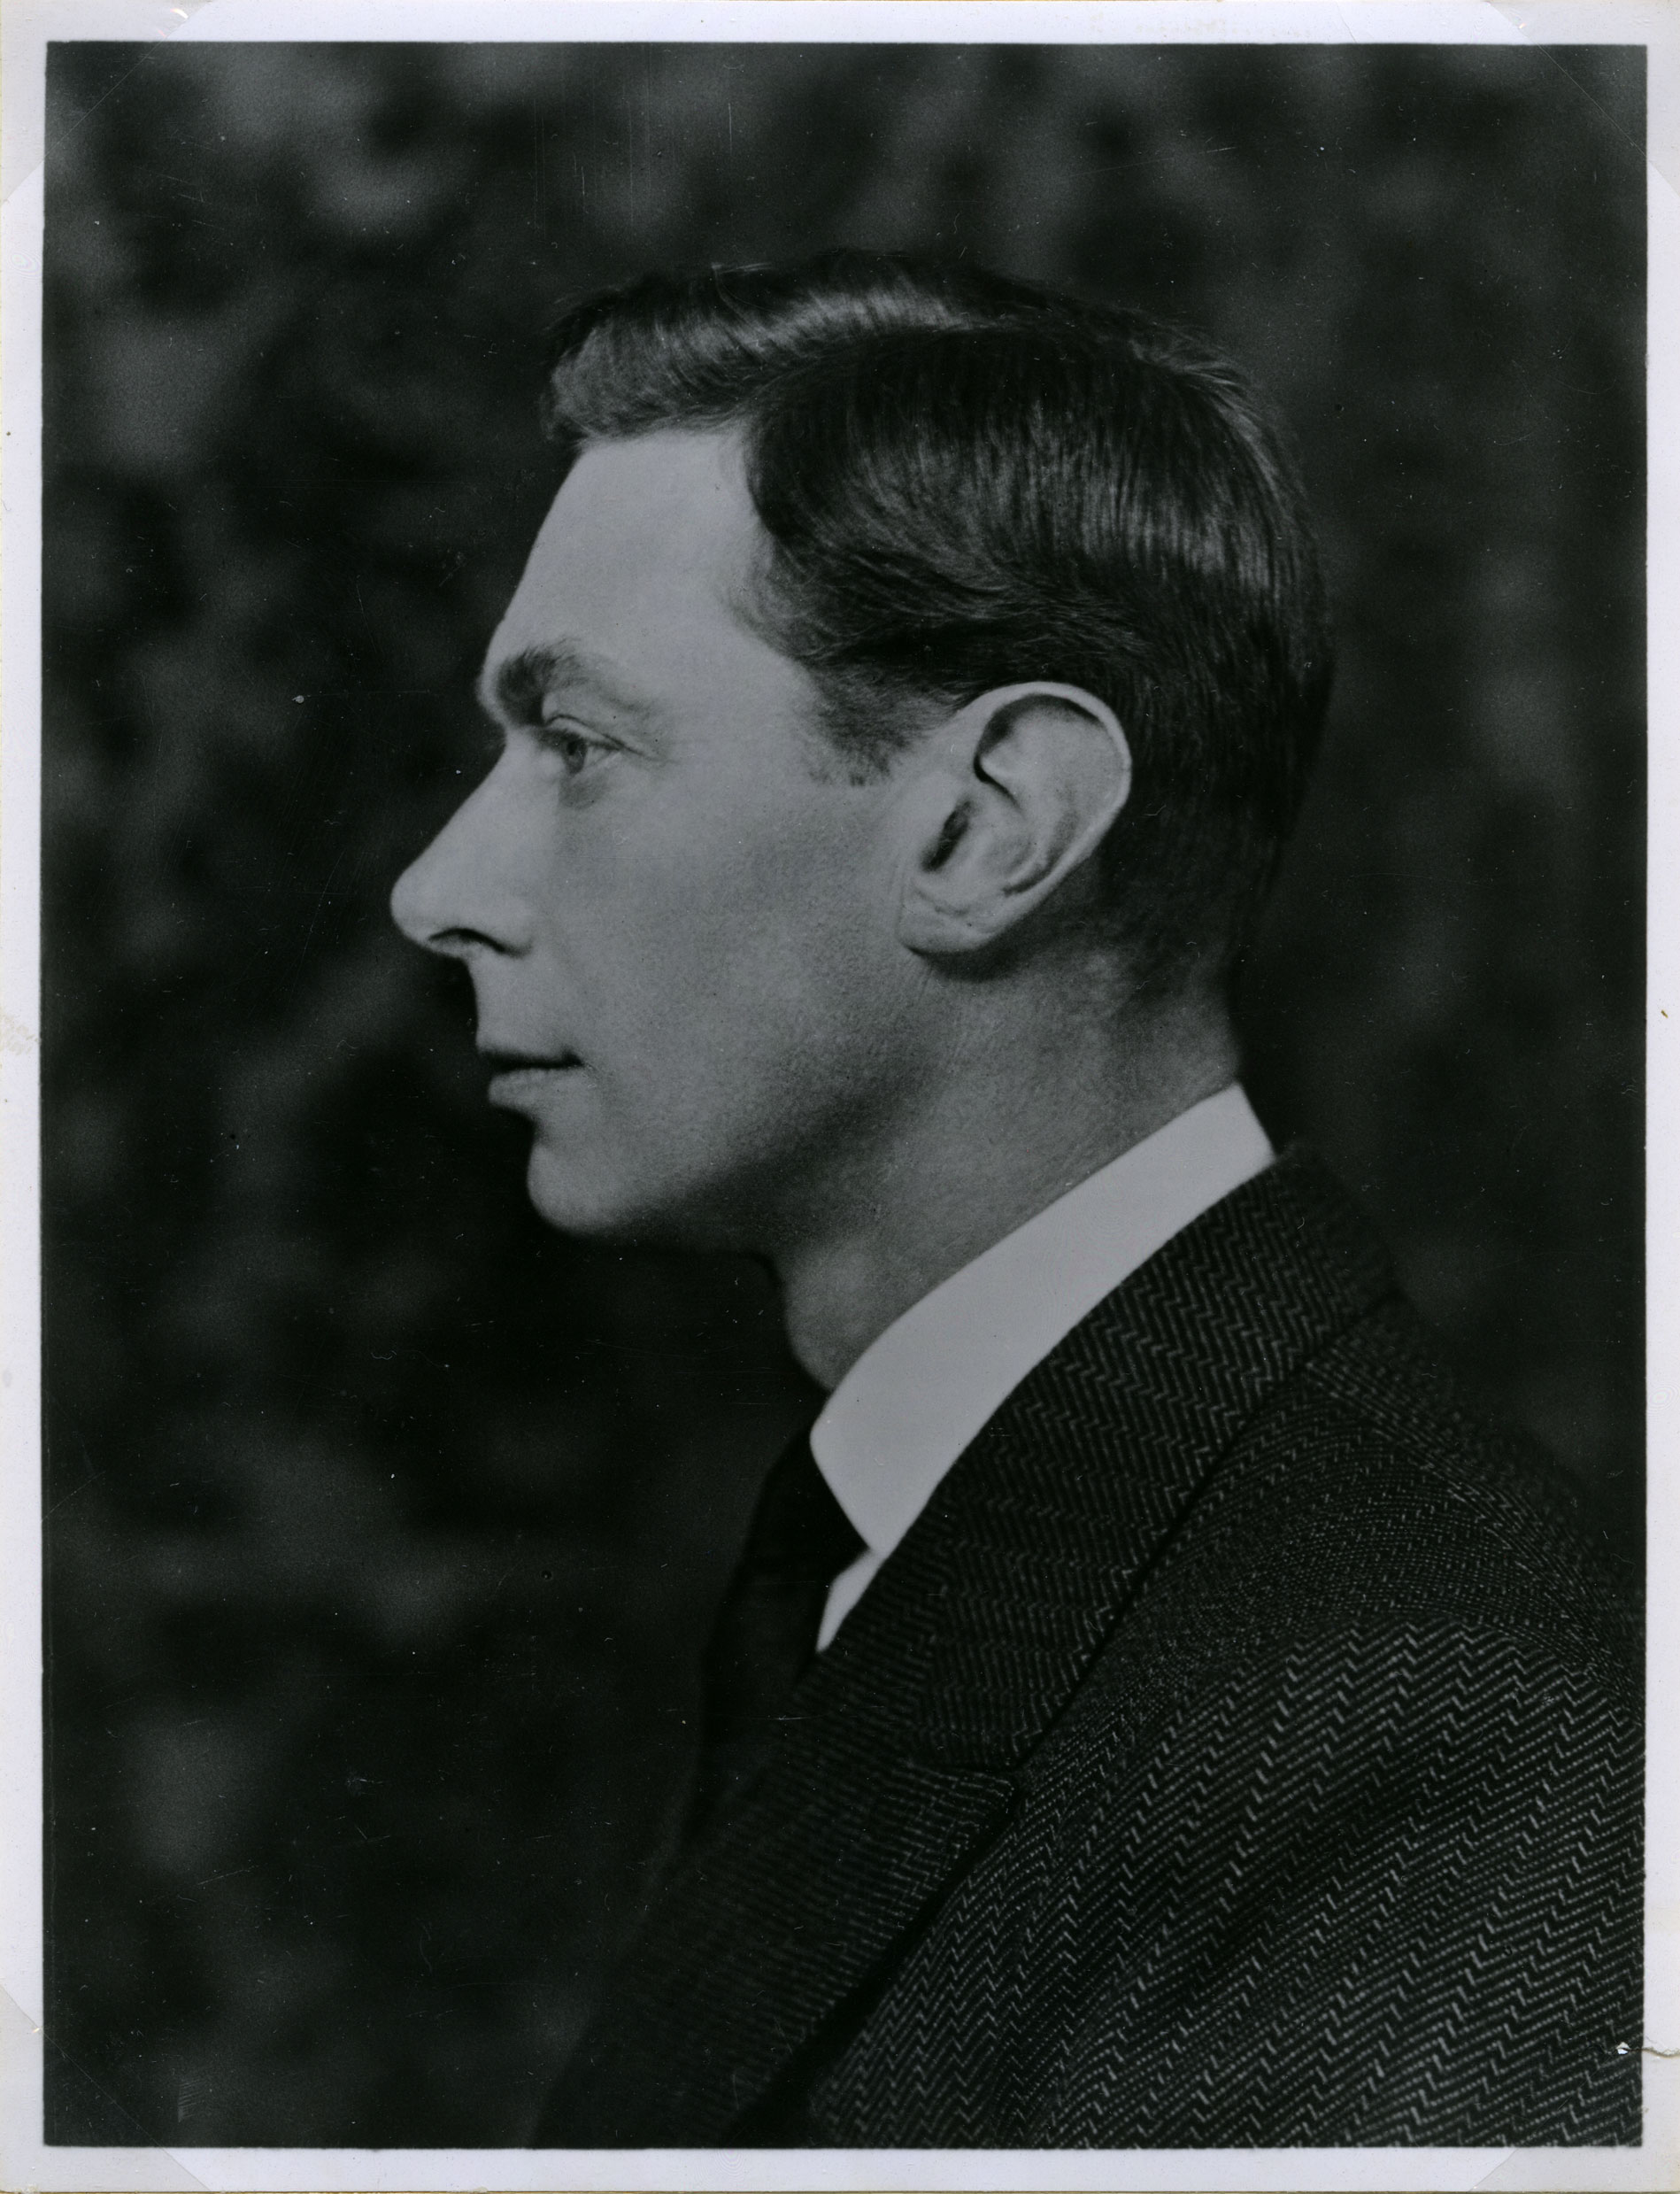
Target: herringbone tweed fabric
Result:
[1243, 1748]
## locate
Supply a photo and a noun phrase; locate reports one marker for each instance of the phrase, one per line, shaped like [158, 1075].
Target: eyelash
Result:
[572, 749]
[555, 739]
[564, 744]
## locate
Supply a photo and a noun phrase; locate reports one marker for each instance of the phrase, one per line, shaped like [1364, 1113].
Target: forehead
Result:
[638, 574]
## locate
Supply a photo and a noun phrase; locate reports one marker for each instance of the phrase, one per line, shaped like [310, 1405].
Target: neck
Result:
[980, 1157]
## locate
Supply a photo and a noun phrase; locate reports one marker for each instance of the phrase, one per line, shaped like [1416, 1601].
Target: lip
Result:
[516, 1074]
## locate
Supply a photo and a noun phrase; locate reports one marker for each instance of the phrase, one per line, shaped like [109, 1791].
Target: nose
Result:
[462, 895]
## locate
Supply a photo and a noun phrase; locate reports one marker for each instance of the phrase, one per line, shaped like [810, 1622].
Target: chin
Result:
[577, 1199]
[592, 1205]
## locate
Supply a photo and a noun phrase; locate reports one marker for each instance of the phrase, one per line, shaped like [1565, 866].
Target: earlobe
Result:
[1023, 785]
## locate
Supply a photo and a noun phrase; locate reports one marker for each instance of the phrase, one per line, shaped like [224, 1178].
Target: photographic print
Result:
[842, 1015]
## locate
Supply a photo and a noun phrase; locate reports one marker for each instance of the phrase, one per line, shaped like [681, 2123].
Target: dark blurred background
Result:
[383, 1524]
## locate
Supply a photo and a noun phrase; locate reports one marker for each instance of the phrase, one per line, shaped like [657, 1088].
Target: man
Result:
[1162, 1713]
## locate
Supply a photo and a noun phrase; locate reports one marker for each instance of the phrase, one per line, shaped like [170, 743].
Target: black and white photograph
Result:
[842, 1058]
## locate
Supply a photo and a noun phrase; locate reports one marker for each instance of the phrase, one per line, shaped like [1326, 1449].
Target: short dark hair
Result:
[969, 481]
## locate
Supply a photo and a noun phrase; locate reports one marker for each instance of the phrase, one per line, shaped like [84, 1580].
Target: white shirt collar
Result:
[920, 1393]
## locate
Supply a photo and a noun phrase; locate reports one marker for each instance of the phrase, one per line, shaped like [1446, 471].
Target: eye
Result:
[572, 749]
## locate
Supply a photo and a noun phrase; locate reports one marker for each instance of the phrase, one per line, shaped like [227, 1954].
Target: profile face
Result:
[679, 925]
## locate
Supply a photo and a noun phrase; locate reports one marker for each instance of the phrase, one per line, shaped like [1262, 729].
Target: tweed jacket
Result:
[1242, 1749]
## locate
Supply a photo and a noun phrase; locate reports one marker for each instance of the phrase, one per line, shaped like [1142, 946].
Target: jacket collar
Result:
[928, 1385]
[897, 1760]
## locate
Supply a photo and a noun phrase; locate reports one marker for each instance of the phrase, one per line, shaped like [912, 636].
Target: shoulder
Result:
[1369, 1488]
[1368, 1506]
[1352, 1800]
[1369, 1516]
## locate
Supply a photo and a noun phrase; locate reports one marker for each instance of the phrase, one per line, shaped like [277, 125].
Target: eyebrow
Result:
[515, 691]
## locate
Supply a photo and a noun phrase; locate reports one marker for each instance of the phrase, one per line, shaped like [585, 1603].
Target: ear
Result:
[1022, 787]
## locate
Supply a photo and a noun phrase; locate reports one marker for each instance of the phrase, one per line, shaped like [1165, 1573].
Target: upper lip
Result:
[505, 1060]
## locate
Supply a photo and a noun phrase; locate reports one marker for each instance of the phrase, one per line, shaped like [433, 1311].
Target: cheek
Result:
[707, 953]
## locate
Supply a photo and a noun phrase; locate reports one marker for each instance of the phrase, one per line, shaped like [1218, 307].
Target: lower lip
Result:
[517, 1086]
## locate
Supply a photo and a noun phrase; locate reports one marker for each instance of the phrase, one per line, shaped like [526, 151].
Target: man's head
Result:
[902, 641]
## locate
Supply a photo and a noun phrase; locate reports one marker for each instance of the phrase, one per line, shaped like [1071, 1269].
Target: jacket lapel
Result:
[894, 1766]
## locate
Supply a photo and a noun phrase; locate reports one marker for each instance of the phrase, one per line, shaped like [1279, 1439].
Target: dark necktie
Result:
[765, 1634]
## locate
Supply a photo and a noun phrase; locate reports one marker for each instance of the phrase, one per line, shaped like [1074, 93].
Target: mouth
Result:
[514, 1074]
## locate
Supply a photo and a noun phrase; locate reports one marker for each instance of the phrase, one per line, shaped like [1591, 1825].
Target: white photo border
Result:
[28, 25]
